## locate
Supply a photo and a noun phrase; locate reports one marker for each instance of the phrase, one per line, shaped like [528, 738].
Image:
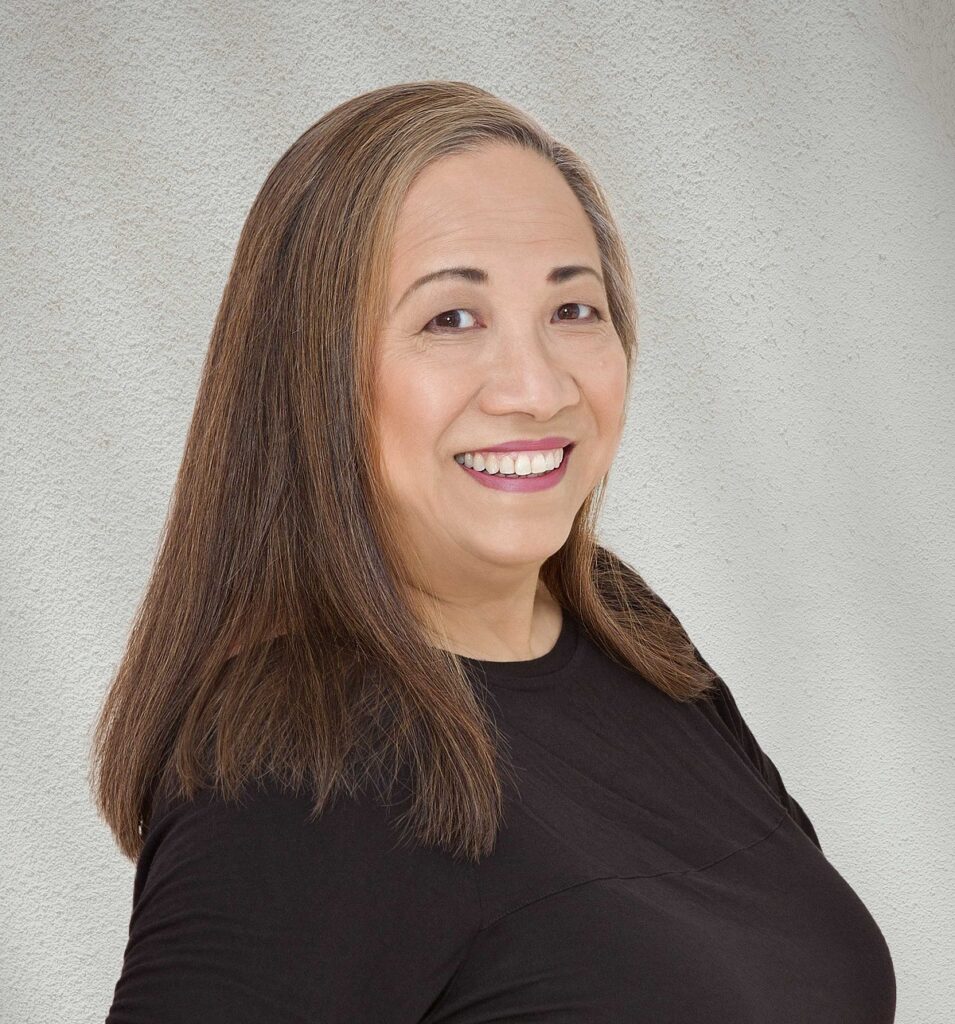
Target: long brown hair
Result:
[276, 636]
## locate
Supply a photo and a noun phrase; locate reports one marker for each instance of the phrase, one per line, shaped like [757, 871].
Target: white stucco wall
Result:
[785, 178]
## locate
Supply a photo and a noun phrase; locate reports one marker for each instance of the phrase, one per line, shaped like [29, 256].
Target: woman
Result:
[394, 739]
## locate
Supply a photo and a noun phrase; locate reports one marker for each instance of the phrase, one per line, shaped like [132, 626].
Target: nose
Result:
[527, 375]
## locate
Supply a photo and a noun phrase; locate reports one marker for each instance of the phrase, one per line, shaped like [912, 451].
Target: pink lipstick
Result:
[539, 482]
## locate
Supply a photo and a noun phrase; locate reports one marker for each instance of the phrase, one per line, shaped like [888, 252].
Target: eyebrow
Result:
[475, 275]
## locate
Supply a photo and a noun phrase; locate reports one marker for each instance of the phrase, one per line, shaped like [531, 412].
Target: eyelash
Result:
[597, 316]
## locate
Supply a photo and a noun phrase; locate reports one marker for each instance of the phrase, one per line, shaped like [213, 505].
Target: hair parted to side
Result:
[276, 636]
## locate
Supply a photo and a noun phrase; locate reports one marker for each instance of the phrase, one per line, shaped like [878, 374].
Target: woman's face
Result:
[509, 351]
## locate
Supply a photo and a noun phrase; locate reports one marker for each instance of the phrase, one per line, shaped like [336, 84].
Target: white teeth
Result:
[512, 463]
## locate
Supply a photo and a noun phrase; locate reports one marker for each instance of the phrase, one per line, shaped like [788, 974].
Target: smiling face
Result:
[512, 350]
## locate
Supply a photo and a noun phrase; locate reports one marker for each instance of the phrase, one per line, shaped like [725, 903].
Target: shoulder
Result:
[722, 709]
[354, 840]
[254, 909]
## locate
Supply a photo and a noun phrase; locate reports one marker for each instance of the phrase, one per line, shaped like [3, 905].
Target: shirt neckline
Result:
[531, 672]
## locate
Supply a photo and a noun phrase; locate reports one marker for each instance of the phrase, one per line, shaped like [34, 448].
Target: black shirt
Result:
[652, 868]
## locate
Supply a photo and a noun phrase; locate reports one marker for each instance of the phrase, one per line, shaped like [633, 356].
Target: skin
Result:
[461, 365]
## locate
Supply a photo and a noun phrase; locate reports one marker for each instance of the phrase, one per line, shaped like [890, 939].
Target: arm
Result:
[723, 702]
[249, 913]
[729, 712]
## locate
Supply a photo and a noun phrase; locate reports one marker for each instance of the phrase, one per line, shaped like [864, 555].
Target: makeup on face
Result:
[509, 468]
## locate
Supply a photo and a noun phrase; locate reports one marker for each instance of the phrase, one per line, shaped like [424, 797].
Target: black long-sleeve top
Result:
[652, 868]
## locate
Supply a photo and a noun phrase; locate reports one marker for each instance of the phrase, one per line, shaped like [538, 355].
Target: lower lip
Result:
[521, 483]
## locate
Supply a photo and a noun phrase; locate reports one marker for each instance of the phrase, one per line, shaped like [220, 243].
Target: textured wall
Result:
[785, 178]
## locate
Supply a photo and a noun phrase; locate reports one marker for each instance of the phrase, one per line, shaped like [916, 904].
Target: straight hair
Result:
[277, 636]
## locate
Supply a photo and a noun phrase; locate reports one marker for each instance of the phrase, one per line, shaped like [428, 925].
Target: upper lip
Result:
[525, 445]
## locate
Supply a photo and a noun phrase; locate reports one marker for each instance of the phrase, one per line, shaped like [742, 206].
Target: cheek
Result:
[606, 378]
[416, 406]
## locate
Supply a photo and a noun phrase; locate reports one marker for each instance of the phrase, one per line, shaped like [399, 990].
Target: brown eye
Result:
[443, 322]
[447, 314]
[570, 305]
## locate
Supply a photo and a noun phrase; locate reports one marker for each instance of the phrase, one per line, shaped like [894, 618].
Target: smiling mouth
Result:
[460, 458]
[527, 451]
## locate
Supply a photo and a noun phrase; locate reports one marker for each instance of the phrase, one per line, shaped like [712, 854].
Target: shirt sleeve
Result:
[725, 705]
[729, 712]
[249, 912]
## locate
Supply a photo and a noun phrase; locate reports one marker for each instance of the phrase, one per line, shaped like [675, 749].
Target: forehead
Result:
[501, 202]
